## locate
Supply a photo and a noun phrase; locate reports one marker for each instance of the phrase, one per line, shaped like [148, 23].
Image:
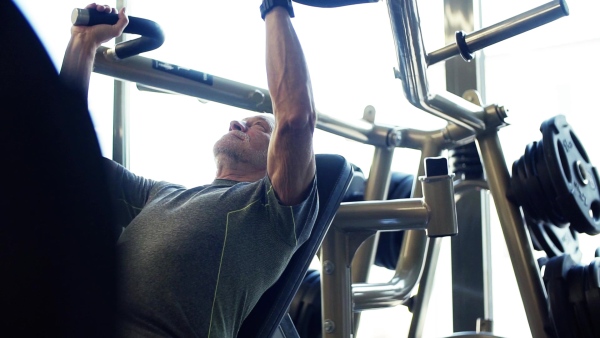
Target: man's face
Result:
[247, 140]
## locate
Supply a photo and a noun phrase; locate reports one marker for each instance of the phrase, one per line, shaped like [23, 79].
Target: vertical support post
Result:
[471, 273]
[336, 286]
[376, 189]
[120, 114]
[531, 287]
[420, 301]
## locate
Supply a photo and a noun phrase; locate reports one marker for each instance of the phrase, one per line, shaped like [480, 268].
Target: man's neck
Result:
[228, 170]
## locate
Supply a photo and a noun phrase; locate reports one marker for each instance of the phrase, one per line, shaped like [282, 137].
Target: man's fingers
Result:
[123, 20]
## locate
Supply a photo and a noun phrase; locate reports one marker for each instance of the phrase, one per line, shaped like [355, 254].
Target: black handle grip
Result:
[151, 35]
[332, 3]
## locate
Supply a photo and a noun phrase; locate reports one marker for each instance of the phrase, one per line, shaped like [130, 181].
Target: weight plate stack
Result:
[573, 178]
[557, 187]
[592, 295]
[574, 296]
[561, 310]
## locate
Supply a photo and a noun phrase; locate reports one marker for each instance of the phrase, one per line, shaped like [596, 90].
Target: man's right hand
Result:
[77, 64]
[99, 34]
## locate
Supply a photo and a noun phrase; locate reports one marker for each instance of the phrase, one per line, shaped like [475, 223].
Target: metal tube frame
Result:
[412, 62]
[357, 221]
[466, 122]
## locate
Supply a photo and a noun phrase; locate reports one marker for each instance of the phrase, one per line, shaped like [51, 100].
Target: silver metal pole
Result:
[517, 239]
[120, 147]
[376, 189]
[503, 30]
[155, 75]
[412, 72]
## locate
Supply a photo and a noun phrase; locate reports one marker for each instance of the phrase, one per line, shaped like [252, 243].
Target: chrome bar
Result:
[120, 146]
[415, 242]
[519, 245]
[390, 215]
[441, 222]
[503, 30]
[412, 64]
[144, 71]
[420, 302]
[157, 74]
[519, 24]
[376, 189]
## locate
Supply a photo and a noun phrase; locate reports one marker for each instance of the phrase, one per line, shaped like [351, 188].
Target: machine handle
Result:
[151, 35]
[467, 44]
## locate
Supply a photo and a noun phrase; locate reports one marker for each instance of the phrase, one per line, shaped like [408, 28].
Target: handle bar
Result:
[467, 44]
[333, 3]
[151, 37]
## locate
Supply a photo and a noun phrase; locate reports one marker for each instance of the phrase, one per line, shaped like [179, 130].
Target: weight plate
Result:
[555, 241]
[576, 286]
[561, 310]
[592, 294]
[573, 177]
[539, 191]
[554, 212]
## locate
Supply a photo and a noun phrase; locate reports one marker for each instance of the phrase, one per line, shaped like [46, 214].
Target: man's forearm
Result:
[287, 73]
[77, 64]
[291, 162]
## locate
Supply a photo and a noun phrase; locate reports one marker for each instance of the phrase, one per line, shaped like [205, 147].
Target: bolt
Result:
[329, 326]
[394, 138]
[257, 97]
[328, 267]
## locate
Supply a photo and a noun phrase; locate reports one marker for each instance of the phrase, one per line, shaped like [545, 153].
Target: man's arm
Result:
[79, 56]
[291, 159]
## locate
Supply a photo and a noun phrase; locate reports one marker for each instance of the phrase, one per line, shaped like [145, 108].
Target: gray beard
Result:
[254, 158]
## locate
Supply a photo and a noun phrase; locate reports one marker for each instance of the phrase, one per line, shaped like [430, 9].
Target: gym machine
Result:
[549, 198]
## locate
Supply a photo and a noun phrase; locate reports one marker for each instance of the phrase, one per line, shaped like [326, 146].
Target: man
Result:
[194, 262]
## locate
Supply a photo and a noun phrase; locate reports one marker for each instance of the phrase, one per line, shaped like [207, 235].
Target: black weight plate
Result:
[573, 176]
[558, 296]
[518, 186]
[540, 168]
[592, 294]
[539, 194]
[576, 286]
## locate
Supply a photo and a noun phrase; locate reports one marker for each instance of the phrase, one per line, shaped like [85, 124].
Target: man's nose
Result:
[237, 125]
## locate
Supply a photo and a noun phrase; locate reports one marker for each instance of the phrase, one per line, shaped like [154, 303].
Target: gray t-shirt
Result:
[194, 262]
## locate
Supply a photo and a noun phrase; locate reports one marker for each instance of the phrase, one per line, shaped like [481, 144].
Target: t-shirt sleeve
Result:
[301, 216]
[129, 192]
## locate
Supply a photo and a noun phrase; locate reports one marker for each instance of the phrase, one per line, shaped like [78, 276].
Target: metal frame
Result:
[467, 122]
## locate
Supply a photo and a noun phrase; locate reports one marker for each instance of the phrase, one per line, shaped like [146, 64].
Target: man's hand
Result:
[79, 56]
[99, 34]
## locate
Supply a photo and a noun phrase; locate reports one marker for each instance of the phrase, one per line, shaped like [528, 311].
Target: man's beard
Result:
[235, 150]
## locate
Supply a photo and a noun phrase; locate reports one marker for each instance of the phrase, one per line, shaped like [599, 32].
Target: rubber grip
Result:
[151, 37]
